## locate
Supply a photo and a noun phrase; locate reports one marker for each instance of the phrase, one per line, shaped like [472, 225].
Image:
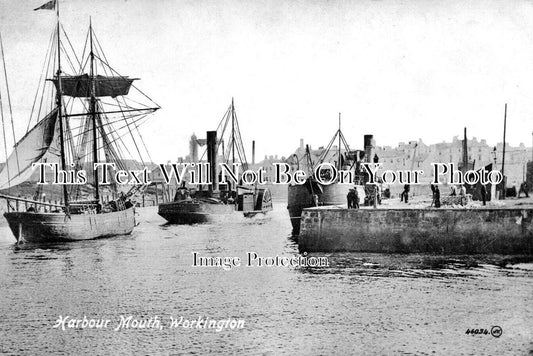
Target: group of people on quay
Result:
[353, 199]
[455, 191]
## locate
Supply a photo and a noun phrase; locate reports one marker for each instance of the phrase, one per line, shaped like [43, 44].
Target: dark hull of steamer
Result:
[198, 211]
[194, 212]
[219, 201]
[59, 227]
[300, 197]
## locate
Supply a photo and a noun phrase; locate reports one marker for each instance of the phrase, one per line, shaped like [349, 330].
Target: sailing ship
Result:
[219, 200]
[312, 193]
[92, 116]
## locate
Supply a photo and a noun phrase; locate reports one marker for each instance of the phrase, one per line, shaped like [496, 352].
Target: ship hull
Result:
[213, 210]
[193, 212]
[57, 227]
[299, 197]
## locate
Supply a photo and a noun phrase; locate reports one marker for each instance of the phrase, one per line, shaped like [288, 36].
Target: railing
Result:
[28, 203]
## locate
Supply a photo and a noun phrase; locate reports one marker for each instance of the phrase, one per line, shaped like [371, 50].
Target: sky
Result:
[400, 70]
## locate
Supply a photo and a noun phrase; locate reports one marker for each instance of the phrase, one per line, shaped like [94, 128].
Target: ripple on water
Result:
[363, 303]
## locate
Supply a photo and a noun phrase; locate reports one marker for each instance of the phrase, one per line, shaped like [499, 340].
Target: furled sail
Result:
[79, 86]
[30, 149]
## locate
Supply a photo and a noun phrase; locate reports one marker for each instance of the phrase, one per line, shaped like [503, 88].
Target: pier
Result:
[502, 230]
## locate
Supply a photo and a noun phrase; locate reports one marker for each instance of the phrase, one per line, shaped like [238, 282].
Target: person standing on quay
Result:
[405, 193]
[436, 196]
[484, 194]
[350, 199]
[462, 194]
[524, 189]
[355, 199]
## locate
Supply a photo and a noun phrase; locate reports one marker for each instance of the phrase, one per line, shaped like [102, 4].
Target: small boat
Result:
[89, 120]
[219, 201]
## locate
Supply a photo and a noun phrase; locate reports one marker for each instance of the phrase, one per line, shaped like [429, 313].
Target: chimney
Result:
[212, 158]
[369, 147]
[253, 152]
[193, 148]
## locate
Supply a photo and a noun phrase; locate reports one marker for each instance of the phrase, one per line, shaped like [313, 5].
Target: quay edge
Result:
[445, 231]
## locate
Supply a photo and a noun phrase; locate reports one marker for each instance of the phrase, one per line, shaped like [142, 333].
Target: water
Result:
[362, 304]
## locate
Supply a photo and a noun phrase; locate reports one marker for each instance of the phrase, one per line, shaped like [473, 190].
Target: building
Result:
[417, 155]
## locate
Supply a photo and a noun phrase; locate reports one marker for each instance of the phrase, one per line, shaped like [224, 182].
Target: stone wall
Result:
[447, 231]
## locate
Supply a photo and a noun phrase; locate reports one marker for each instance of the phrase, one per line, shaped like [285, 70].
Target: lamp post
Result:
[503, 154]
[524, 165]
[494, 167]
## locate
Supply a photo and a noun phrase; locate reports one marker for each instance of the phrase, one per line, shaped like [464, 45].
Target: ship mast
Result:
[59, 107]
[465, 154]
[92, 109]
[232, 131]
[341, 142]
[339, 164]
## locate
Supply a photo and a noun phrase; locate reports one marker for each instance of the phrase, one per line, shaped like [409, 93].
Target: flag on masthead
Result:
[50, 5]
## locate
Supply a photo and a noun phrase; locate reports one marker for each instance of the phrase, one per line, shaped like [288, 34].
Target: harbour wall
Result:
[445, 231]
